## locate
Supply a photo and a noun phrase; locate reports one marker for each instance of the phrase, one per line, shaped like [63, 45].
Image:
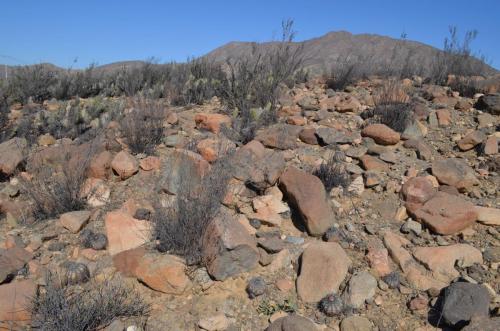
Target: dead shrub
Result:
[143, 127]
[179, 229]
[93, 307]
[56, 189]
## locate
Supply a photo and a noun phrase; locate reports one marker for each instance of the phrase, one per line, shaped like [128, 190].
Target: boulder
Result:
[15, 299]
[12, 153]
[125, 165]
[181, 168]
[308, 136]
[212, 122]
[150, 163]
[462, 301]
[161, 272]
[489, 103]
[446, 214]
[307, 194]
[228, 248]
[381, 133]
[454, 172]
[100, 165]
[125, 232]
[279, 136]
[323, 268]
[471, 140]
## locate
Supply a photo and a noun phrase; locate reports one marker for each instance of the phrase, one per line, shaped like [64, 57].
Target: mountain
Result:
[325, 52]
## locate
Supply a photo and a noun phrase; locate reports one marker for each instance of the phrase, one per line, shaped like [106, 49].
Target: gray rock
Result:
[331, 136]
[489, 103]
[256, 287]
[292, 323]
[271, 245]
[462, 300]
[356, 323]
[411, 226]
[362, 287]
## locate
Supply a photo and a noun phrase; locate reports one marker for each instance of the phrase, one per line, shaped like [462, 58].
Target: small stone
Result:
[218, 322]
[75, 220]
[256, 287]
[271, 245]
[356, 323]
[392, 280]
[361, 288]
[418, 303]
[411, 226]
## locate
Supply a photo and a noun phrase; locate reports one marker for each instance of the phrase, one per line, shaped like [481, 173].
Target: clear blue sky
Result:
[105, 31]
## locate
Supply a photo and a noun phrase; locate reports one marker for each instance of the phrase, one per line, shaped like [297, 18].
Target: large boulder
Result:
[323, 267]
[489, 103]
[15, 299]
[446, 214]
[228, 248]
[125, 232]
[257, 166]
[462, 301]
[381, 133]
[307, 194]
[454, 172]
[161, 272]
[12, 153]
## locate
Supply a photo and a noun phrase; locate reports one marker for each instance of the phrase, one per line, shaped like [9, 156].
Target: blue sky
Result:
[105, 31]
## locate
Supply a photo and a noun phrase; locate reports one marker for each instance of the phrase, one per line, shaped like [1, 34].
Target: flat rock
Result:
[307, 193]
[362, 287]
[15, 297]
[381, 133]
[125, 232]
[218, 322]
[418, 190]
[372, 163]
[279, 136]
[454, 172]
[488, 216]
[12, 260]
[446, 214]
[324, 266]
[356, 323]
[471, 140]
[292, 323]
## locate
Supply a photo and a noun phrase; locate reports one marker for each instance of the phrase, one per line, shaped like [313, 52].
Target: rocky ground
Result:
[410, 242]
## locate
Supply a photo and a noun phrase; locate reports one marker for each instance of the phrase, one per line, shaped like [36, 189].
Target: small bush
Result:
[91, 308]
[343, 73]
[32, 82]
[333, 173]
[57, 189]
[143, 126]
[179, 229]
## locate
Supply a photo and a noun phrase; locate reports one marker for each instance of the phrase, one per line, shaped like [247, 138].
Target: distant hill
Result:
[325, 52]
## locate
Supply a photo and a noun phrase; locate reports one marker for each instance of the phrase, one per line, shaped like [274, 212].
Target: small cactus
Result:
[331, 305]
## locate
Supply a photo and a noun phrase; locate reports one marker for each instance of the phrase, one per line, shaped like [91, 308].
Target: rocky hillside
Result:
[341, 216]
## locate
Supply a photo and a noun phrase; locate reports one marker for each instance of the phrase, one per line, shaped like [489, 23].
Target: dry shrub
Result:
[180, 229]
[143, 127]
[56, 189]
[95, 306]
[333, 173]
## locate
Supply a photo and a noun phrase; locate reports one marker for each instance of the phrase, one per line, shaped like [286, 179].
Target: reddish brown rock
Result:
[212, 122]
[125, 232]
[75, 220]
[296, 120]
[454, 172]
[471, 140]
[308, 135]
[379, 261]
[11, 260]
[372, 163]
[125, 165]
[418, 190]
[323, 268]
[100, 165]
[444, 117]
[307, 193]
[488, 216]
[491, 146]
[446, 214]
[150, 163]
[381, 133]
[15, 299]
[279, 136]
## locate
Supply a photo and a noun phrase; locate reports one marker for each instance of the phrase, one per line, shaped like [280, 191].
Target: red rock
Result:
[125, 232]
[212, 122]
[211, 149]
[444, 117]
[284, 284]
[308, 194]
[75, 220]
[371, 163]
[14, 302]
[418, 190]
[379, 261]
[11, 260]
[381, 133]
[441, 260]
[150, 163]
[125, 165]
[491, 146]
[308, 135]
[446, 214]
[100, 166]
[454, 172]
[296, 120]
[323, 268]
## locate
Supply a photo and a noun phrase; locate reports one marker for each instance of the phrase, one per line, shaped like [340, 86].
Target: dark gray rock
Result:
[463, 300]
[256, 287]
[489, 103]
